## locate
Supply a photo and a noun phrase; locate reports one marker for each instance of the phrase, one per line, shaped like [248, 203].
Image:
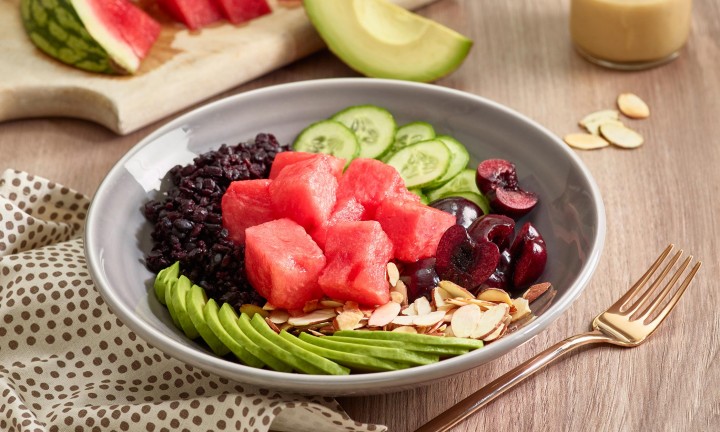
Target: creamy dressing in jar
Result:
[629, 34]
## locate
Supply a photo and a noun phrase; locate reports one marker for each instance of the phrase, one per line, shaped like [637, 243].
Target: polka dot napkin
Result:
[68, 364]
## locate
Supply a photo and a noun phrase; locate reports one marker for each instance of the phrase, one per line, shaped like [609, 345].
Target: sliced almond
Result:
[384, 315]
[314, 317]
[499, 331]
[348, 320]
[403, 320]
[632, 106]
[351, 306]
[465, 319]
[404, 329]
[393, 274]
[397, 297]
[448, 315]
[449, 331]
[409, 310]
[331, 303]
[490, 320]
[311, 306]
[599, 117]
[422, 306]
[402, 289]
[438, 297]
[251, 309]
[268, 306]
[315, 332]
[535, 291]
[447, 307]
[594, 127]
[279, 316]
[437, 327]
[621, 136]
[583, 141]
[429, 319]
[495, 295]
[455, 290]
[272, 325]
[484, 305]
[460, 301]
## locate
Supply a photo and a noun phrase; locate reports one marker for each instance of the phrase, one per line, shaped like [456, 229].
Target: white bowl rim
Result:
[377, 382]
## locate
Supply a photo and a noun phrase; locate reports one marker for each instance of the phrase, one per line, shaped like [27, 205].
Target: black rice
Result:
[187, 221]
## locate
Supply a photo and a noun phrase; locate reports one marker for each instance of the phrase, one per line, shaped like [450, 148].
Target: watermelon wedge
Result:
[246, 203]
[107, 36]
[239, 11]
[370, 182]
[194, 14]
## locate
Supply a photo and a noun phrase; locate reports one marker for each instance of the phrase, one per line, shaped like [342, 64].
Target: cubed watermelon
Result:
[283, 263]
[305, 192]
[239, 11]
[357, 255]
[286, 158]
[414, 229]
[246, 203]
[370, 182]
[347, 211]
[194, 14]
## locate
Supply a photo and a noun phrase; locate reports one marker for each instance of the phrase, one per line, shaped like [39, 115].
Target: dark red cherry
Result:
[494, 173]
[502, 274]
[464, 210]
[419, 277]
[494, 228]
[462, 260]
[529, 256]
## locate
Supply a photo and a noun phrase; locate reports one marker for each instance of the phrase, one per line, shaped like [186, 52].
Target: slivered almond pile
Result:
[452, 311]
[604, 127]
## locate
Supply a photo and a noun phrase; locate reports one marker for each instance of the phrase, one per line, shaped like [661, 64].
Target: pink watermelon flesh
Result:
[238, 11]
[194, 14]
[128, 23]
[414, 229]
[287, 158]
[357, 256]
[283, 263]
[305, 192]
[246, 203]
[370, 181]
[348, 211]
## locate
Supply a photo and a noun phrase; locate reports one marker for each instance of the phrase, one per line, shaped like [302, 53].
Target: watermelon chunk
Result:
[246, 203]
[305, 192]
[348, 211]
[414, 229]
[283, 263]
[194, 14]
[286, 158]
[357, 256]
[370, 181]
[239, 11]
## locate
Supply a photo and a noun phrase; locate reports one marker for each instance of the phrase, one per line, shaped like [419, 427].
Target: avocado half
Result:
[380, 39]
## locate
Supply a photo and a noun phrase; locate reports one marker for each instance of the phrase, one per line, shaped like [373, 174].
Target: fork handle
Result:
[480, 398]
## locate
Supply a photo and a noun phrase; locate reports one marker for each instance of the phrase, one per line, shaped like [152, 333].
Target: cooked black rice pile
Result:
[187, 222]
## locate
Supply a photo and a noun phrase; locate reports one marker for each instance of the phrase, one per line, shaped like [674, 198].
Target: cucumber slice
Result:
[463, 182]
[458, 162]
[418, 192]
[329, 137]
[478, 199]
[408, 134]
[373, 126]
[422, 163]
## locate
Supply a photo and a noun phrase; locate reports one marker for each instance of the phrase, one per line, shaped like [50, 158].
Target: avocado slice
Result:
[392, 354]
[229, 320]
[383, 40]
[325, 366]
[195, 302]
[179, 297]
[470, 344]
[210, 312]
[164, 278]
[443, 351]
[169, 294]
[298, 363]
[357, 362]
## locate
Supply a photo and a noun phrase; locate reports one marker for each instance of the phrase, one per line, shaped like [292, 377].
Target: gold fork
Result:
[626, 323]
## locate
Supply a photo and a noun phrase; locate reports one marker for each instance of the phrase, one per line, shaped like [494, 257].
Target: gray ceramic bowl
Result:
[570, 216]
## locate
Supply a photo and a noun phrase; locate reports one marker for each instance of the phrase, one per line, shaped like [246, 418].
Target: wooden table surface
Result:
[654, 195]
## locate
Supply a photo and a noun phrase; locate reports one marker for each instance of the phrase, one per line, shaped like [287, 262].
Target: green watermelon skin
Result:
[104, 36]
[357, 254]
[305, 192]
[414, 229]
[283, 263]
[246, 203]
[287, 158]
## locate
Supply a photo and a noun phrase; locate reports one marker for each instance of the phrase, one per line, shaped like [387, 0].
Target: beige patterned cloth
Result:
[68, 364]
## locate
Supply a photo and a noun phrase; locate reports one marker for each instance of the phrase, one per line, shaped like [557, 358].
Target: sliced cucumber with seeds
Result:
[373, 126]
[408, 134]
[418, 192]
[458, 162]
[422, 163]
[329, 137]
[463, 182]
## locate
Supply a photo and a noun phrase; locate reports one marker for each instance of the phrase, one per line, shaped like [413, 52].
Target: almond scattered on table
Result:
[632, 106]
[585, 141]
[621, 136]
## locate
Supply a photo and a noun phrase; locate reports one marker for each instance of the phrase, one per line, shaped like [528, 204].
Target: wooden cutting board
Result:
[182, 68]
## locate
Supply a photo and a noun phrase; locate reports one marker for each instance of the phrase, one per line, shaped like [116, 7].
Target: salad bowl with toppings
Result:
[250, 268]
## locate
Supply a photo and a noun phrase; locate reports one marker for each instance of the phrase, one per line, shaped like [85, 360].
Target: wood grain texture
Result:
[662, 192]
[183, 68]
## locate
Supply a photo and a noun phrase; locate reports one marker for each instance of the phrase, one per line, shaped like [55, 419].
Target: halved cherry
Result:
[497, 179]
[494, 228]
[462, 260]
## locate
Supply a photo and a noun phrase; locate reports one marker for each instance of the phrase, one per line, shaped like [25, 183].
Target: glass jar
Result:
[629, 34]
